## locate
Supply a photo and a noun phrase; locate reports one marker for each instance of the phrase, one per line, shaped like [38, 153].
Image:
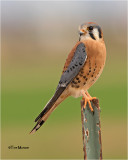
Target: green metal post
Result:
[91, 130]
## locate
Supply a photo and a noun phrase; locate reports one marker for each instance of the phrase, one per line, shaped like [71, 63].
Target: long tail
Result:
[50, 106]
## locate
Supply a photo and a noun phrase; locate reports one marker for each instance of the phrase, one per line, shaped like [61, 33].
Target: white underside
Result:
[76, 92]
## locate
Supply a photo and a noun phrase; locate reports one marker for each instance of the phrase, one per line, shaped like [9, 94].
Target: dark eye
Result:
[90, 28]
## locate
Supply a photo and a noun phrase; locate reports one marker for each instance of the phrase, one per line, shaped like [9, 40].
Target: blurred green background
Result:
[36, 38]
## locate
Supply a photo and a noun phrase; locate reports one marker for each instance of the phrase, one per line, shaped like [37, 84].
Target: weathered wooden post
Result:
[91, 130]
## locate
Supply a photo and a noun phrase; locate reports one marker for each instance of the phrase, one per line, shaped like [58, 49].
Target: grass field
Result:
[58, 139]
[61, 135]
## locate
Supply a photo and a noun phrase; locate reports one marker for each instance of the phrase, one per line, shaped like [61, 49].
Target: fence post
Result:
[91, 130]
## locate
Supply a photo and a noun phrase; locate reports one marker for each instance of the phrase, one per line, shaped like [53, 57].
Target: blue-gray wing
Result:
[73, 69]
[75, 66]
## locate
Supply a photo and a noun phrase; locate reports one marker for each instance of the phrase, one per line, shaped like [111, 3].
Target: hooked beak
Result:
[81, 32]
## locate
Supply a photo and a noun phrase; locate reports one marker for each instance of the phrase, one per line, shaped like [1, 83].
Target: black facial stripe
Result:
[92, 36]
[79, 38]
[99, 30]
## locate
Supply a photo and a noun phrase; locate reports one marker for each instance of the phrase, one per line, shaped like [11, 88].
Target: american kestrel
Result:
[82, 68]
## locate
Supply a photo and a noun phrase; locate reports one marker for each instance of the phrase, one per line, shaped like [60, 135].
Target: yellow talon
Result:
[87, 98]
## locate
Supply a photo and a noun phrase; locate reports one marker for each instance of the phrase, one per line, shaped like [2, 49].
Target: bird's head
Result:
[90, 30]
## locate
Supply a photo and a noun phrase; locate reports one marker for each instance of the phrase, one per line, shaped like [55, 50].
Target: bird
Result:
[82, 68]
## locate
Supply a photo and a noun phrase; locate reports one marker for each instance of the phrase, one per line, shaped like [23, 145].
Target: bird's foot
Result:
[87, 98]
